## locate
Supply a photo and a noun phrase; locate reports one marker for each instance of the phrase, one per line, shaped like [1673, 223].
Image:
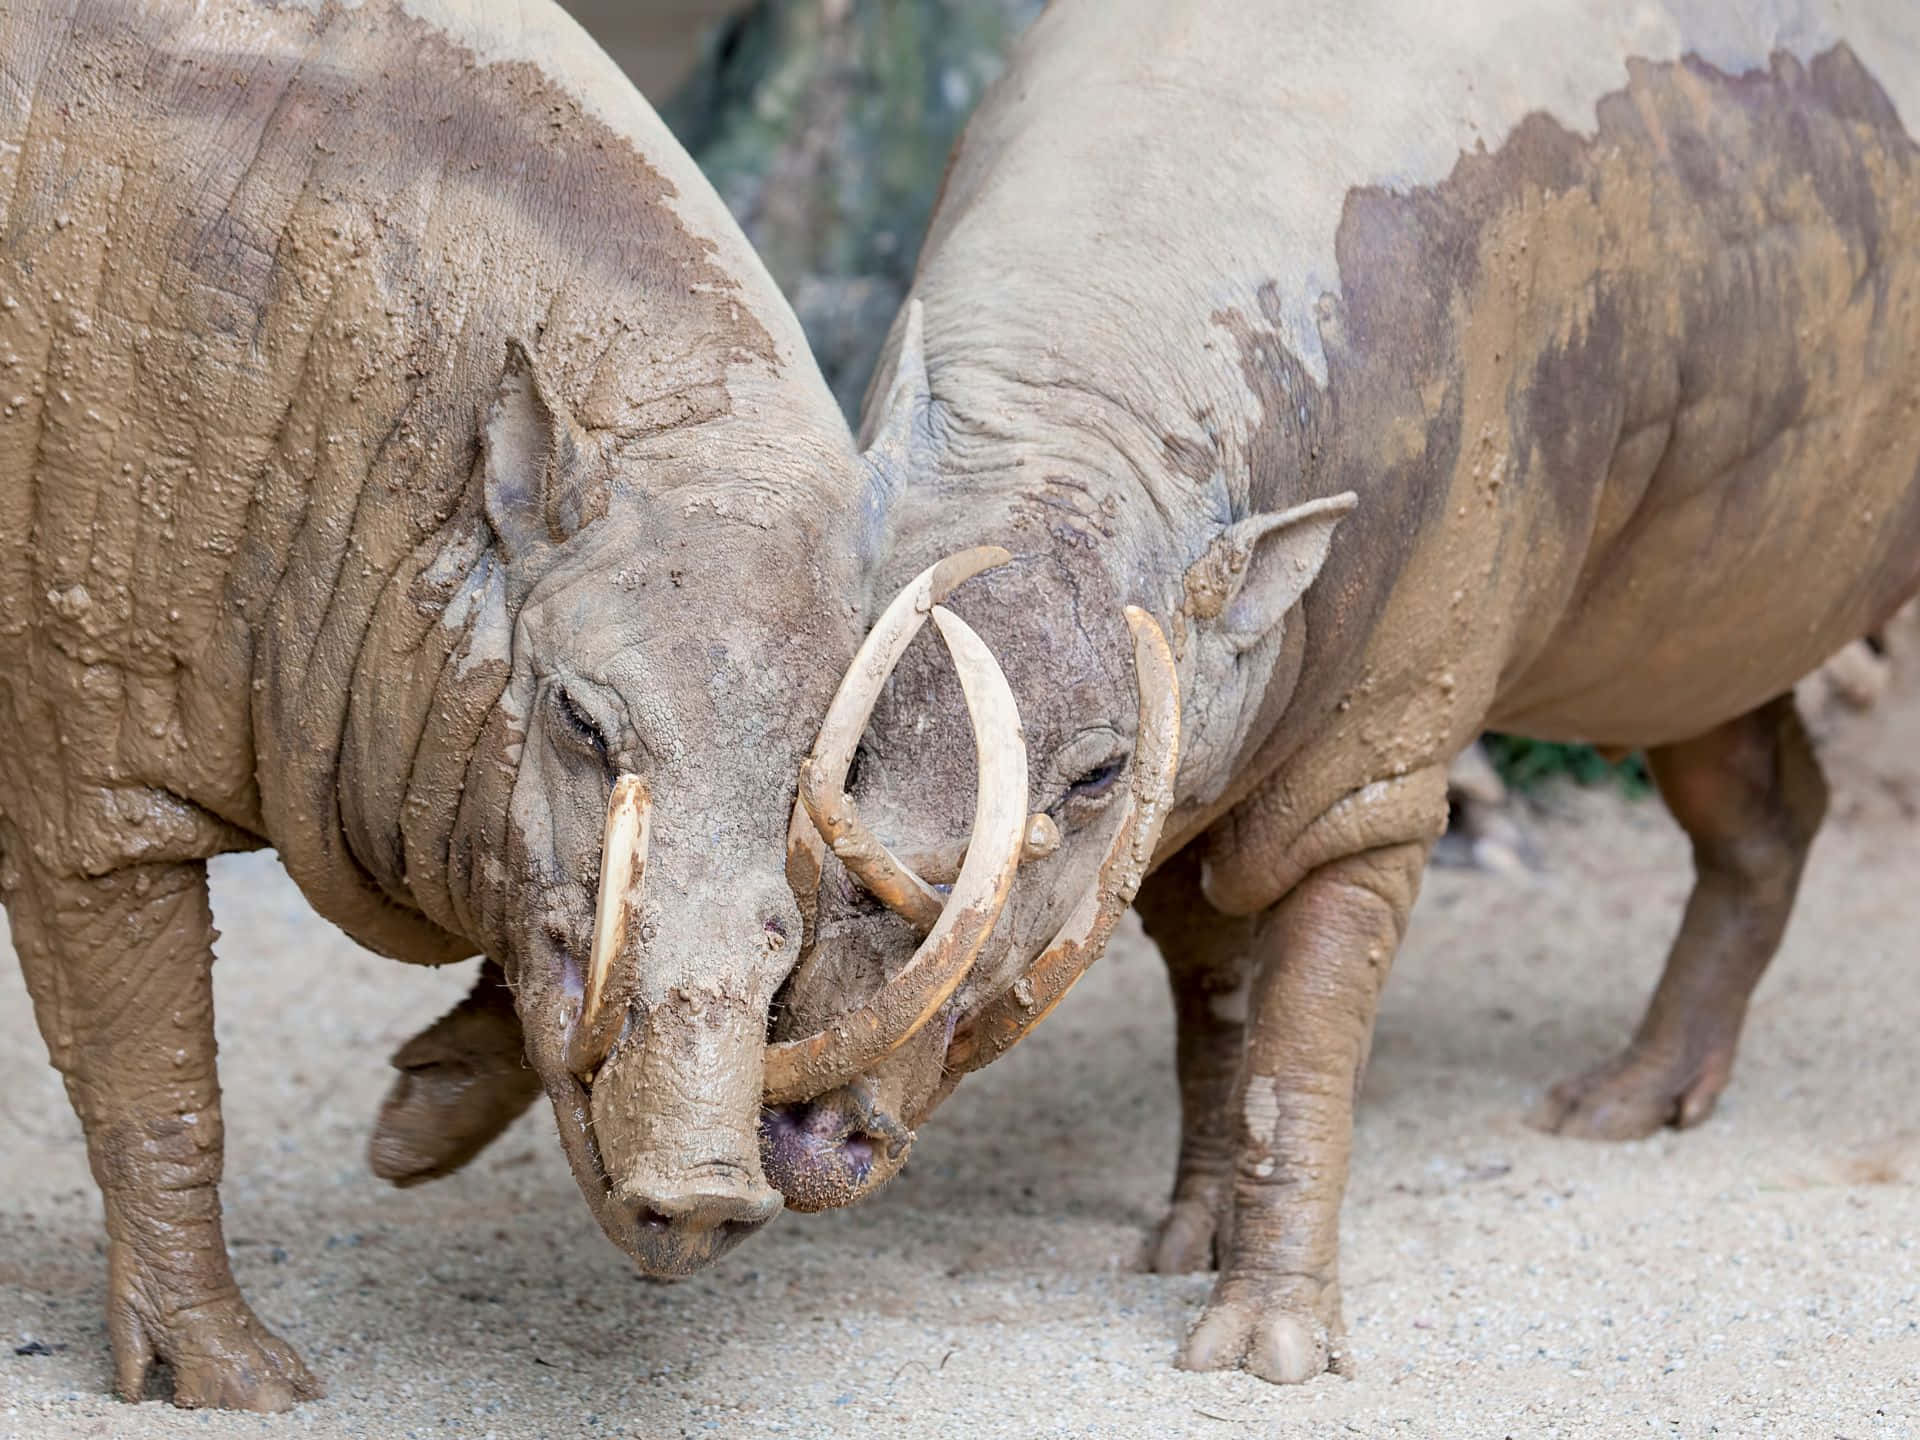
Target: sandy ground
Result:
[1761, 1275]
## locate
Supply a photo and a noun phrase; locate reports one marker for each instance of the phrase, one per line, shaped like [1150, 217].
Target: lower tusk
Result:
[806, 862]
[623, 865]
[1007, 1019]
[854, 1043]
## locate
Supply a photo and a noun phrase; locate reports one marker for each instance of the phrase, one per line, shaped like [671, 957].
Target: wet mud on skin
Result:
[340, 303]
[1760, 1273]
[1583, 381]
[264, 268]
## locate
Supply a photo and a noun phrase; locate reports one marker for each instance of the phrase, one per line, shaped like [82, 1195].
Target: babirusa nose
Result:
[675, 1114]
[710, 1200]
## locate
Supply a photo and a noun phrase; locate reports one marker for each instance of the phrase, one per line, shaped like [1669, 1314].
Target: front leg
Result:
[463, 1080]
[120, 970]
[1207, 958]
[1321, 957]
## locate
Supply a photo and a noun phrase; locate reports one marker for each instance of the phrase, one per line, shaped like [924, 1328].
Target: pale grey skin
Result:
[399, 441]
[1607, 316]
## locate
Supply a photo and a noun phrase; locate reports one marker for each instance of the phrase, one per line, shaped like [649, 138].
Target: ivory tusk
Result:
[1081, 940]
[806, 861]
[623, 864]
[854, 1043]
[862, 852]
[823, 776]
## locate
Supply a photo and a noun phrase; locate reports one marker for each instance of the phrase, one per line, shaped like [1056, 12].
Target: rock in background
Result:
[657, 42]
[826, 125]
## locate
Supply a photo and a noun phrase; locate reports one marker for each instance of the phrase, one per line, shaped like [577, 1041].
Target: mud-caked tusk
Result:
[856, 1042]
[867, 859]
[823, 776]
[1007, 1018]
[806, 861]
[623, 864]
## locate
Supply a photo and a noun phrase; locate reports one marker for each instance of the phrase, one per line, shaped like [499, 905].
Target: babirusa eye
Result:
[578, 723]
[1098, 780]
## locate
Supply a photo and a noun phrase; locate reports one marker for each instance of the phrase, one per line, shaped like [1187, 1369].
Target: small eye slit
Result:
[578, 721]
[1097, 781]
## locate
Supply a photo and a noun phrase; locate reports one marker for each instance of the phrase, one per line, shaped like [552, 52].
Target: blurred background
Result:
[826, 125]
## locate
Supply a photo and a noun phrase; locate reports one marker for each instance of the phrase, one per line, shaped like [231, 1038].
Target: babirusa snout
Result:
[676, 1113]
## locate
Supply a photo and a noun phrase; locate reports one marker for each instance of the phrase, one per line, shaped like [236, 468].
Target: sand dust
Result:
[1760, 1275]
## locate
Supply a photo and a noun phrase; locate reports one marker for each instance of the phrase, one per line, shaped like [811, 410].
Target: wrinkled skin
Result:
[904, 776]
[406, 444]
[671, 1139]
[1626, 462]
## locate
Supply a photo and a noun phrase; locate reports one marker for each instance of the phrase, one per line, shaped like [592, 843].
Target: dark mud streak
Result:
[1388, 332]
[1815, 124]
[1410, 264]
[598, 204]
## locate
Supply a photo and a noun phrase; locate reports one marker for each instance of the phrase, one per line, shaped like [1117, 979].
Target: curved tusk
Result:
[823, 775]
[853, 1044]
[1006, 1019]
[623, 867]
[806, 862]
[866, 857]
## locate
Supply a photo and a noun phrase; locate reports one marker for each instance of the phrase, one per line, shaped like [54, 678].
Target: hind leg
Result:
[1208, 963]
[1750, 796]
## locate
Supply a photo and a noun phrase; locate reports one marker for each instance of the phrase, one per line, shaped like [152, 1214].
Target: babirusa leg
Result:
[1750, 796]
[1322, 956]
[120, 970]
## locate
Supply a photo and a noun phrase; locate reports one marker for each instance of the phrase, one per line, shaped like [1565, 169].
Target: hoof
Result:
[1631, 1097]
[1187, 1242]
[443, 1111]
[221, 1356]
[1285, 1334]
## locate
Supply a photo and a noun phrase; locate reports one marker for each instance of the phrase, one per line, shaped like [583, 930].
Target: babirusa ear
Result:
[902, 429]
[1260, 567]
[908, 395]
[545, 477]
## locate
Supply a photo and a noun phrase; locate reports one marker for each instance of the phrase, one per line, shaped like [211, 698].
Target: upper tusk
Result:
[853, 1044]
[866, 857]
[623, 865]
[1081, 940]
[823, 776]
